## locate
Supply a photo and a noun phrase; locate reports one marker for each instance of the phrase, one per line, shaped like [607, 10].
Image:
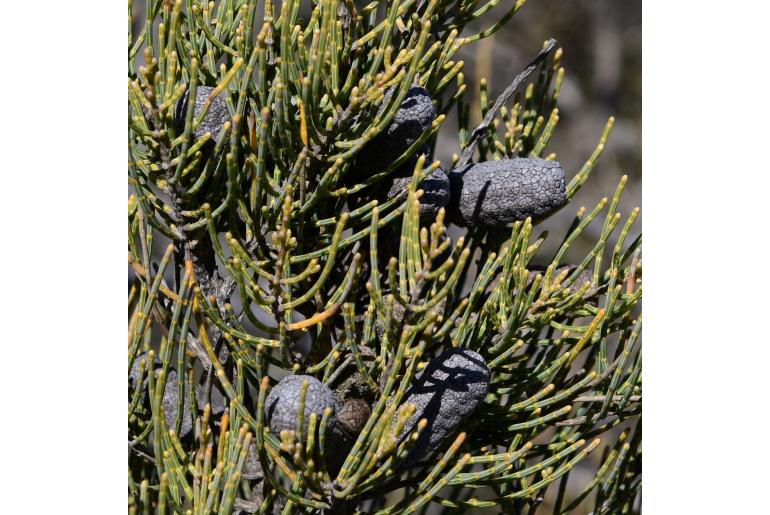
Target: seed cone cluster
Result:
[445, 393]
[491, 193]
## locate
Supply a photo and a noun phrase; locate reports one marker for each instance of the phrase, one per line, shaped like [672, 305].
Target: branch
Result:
[479, 131]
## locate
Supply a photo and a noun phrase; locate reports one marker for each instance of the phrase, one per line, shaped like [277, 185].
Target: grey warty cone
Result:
[445, 393]
[495, 193]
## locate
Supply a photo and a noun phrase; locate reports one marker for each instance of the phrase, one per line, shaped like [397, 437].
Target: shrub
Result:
[268, 152]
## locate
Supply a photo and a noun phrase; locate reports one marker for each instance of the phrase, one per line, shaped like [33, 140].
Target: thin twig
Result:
[132, 446]
[481, 128]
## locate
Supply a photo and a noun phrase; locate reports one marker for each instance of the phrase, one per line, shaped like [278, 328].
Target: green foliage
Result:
[277, 260]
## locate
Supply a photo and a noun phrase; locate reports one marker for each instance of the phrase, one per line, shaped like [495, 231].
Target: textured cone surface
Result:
[496, 193]
[435, 196]
[282, 403]
[217, 115]
[353, 415]
[252, 468]
[171, 394]
[133, 375]
[445, 393]
[413, 117]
